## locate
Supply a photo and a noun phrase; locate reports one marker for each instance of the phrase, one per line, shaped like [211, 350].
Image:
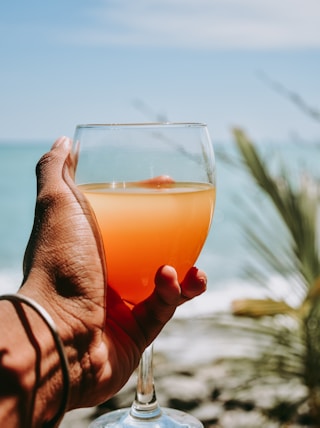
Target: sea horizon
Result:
[226, 254]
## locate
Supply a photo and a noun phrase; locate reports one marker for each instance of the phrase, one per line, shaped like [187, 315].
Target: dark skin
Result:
[64, 271]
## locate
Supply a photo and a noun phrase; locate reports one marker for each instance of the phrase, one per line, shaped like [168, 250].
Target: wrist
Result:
[34, 359]
[71, 330]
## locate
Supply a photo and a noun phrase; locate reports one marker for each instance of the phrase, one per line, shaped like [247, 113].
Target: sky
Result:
[248, 63]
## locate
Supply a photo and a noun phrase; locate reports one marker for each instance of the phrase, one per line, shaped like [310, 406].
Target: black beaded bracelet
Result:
[60, 349]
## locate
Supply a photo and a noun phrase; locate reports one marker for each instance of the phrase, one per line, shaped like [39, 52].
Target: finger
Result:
[62, 143]
[154, 312]
[49, 171]
[55, 176]
[167, 288]
[50, 167]
[194, 284]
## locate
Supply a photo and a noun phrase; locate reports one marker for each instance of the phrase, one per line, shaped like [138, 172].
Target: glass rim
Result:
[142, 125]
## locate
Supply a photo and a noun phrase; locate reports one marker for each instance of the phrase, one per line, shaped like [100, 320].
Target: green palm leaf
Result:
[257, 308]
[296, 206]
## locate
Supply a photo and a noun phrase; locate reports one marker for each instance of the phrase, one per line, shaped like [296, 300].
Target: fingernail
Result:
[204, 281]
[63, 142]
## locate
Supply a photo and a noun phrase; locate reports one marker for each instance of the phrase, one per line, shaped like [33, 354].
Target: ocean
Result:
[226, 255]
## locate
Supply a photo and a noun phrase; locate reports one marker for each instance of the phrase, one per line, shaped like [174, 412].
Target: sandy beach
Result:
[213, 371]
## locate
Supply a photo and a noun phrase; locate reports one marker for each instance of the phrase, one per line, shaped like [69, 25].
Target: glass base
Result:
[168, 418]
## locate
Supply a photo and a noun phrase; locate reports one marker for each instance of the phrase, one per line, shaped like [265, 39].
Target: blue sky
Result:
[65, 62]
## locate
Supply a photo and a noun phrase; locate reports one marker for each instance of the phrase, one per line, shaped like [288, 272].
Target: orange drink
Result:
[147, 225]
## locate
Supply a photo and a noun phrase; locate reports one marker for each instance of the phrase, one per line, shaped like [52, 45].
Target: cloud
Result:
[202, 24]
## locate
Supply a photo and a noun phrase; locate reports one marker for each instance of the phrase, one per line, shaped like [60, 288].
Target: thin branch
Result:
[293, 97]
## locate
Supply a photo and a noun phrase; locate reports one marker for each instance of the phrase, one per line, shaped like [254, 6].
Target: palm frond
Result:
[296, 206]
[257, 308]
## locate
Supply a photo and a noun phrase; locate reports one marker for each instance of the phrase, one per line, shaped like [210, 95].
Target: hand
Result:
[64, 270]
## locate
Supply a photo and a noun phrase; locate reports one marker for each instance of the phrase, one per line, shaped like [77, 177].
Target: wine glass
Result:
[152, 188]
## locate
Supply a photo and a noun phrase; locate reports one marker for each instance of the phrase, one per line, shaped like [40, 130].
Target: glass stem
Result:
[145, 405]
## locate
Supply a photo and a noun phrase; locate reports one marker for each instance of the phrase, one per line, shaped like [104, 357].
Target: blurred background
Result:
[224, 62]
[65, 62]
[246, 64]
